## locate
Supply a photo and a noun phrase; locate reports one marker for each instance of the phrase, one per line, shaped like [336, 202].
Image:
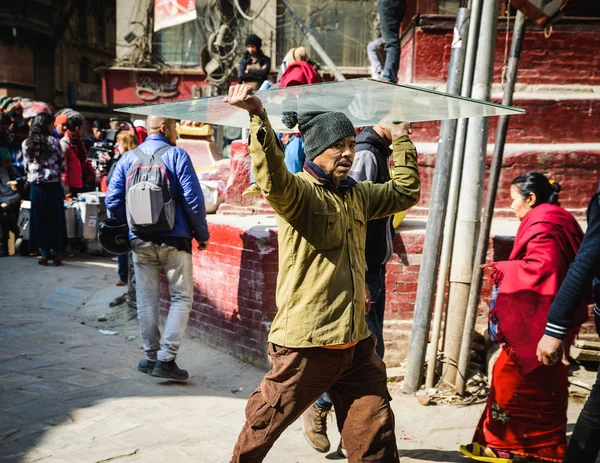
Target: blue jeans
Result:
[376, 282]
[391, 13]
[376, 70]
[178, 267]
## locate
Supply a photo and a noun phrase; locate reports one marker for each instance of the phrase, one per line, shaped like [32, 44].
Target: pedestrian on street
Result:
[163, 241]
[96, 136]
[371, 163]
[60, 126]
[126, 141]
[526, 411]
[584, 444]
[319, 340]
[254, 66]
[44, 166]
[80, 175]
[391, 14]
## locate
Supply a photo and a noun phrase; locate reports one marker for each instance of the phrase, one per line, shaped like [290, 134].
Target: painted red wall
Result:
[119, 86]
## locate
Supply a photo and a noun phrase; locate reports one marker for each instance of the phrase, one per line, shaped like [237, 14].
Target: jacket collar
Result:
[323, 179]
[159, 137]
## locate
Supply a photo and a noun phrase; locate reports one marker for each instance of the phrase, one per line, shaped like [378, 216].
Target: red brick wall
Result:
[234, 291]
[578, 172]
[566, 57]
[545, 121]
[235, 281]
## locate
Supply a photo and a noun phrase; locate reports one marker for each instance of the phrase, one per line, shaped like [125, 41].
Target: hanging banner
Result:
[169, 13]
[540, 11]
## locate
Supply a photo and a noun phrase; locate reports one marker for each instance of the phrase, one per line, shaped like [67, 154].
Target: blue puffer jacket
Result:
[190, 215]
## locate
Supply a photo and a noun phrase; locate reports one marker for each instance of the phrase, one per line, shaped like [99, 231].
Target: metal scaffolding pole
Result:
[449, 222]
[435, 219]
[490, 202]
[470, 197]
[315, 44]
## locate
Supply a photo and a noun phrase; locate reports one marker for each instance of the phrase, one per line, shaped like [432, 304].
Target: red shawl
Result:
[299, 73]
[545, 245]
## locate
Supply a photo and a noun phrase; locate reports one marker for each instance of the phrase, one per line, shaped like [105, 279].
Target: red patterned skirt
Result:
[526, 415]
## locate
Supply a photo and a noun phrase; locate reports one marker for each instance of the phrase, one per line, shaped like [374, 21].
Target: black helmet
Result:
[114, 236]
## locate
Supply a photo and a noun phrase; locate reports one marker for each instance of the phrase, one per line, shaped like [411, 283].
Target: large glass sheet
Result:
[365, 101]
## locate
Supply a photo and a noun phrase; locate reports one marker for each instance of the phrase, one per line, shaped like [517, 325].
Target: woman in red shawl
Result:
[526, 412]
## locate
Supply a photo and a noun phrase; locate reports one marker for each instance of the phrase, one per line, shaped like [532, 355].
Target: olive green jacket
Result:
[322, 231]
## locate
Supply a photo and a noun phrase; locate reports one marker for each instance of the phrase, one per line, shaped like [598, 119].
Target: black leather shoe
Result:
[146, 366]
[169, 370]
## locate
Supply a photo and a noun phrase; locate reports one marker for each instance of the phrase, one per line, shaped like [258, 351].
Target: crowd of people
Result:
[334, 189]
[47, 160]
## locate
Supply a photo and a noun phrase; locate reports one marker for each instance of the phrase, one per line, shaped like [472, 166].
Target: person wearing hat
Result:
[60, 126]
[254, 66]
[319, 340]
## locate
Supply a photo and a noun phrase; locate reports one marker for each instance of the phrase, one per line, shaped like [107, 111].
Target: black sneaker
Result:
[169, 370]
[146, 366]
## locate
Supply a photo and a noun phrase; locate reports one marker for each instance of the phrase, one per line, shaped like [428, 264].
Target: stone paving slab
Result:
[65, 298]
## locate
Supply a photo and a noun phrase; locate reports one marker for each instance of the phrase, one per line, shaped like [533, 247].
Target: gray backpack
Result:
[150, 206]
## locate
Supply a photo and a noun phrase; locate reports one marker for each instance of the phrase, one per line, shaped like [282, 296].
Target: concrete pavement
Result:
[71, 394]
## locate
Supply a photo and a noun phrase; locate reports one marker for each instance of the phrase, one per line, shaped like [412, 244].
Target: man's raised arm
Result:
[404, 189]
[282, 190]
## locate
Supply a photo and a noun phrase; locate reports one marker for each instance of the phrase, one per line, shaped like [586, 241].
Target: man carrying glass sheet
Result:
[319, 340]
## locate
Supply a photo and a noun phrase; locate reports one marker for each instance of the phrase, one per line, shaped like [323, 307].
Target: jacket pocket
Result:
[358, 230]
[327, 230]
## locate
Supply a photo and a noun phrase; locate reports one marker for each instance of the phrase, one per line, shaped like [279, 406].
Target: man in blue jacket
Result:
[584, 444]
[172, 250]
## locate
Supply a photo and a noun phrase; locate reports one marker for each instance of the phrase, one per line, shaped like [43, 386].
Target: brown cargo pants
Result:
[355, 379]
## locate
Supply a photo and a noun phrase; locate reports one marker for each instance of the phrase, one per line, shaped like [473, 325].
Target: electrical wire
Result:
[244, 15]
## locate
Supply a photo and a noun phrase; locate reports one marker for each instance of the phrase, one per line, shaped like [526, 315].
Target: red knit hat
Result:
[60, 119]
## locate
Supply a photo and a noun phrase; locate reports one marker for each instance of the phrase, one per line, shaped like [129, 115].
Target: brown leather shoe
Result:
[314, 428]
[121, 283]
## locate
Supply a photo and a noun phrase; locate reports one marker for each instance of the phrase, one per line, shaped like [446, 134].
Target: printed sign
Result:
[148, 90]
[169, 13]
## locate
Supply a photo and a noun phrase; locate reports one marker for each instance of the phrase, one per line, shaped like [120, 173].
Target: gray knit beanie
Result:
[319, 129]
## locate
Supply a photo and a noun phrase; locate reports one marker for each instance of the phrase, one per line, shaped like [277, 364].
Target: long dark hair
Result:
[546, 191]
[37, 141]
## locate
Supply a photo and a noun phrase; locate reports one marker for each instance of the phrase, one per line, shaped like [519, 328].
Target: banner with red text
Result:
[169, 13]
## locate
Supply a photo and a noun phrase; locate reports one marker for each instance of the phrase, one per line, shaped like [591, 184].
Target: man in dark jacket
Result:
[584, 445]
[172, 250]
[255, 65]
[371, 163]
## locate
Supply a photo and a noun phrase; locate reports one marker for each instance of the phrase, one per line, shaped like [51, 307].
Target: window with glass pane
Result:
[180, 45]
[342, 27]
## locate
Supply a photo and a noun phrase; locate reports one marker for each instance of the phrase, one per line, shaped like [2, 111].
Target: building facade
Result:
[50, 51]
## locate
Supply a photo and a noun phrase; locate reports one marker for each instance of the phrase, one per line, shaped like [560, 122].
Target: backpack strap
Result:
[157, 154]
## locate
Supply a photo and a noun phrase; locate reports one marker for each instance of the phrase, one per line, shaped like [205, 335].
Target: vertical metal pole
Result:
[437, 211]
[490, 202]
[470, 197]
[315, 44]
[459, 149]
